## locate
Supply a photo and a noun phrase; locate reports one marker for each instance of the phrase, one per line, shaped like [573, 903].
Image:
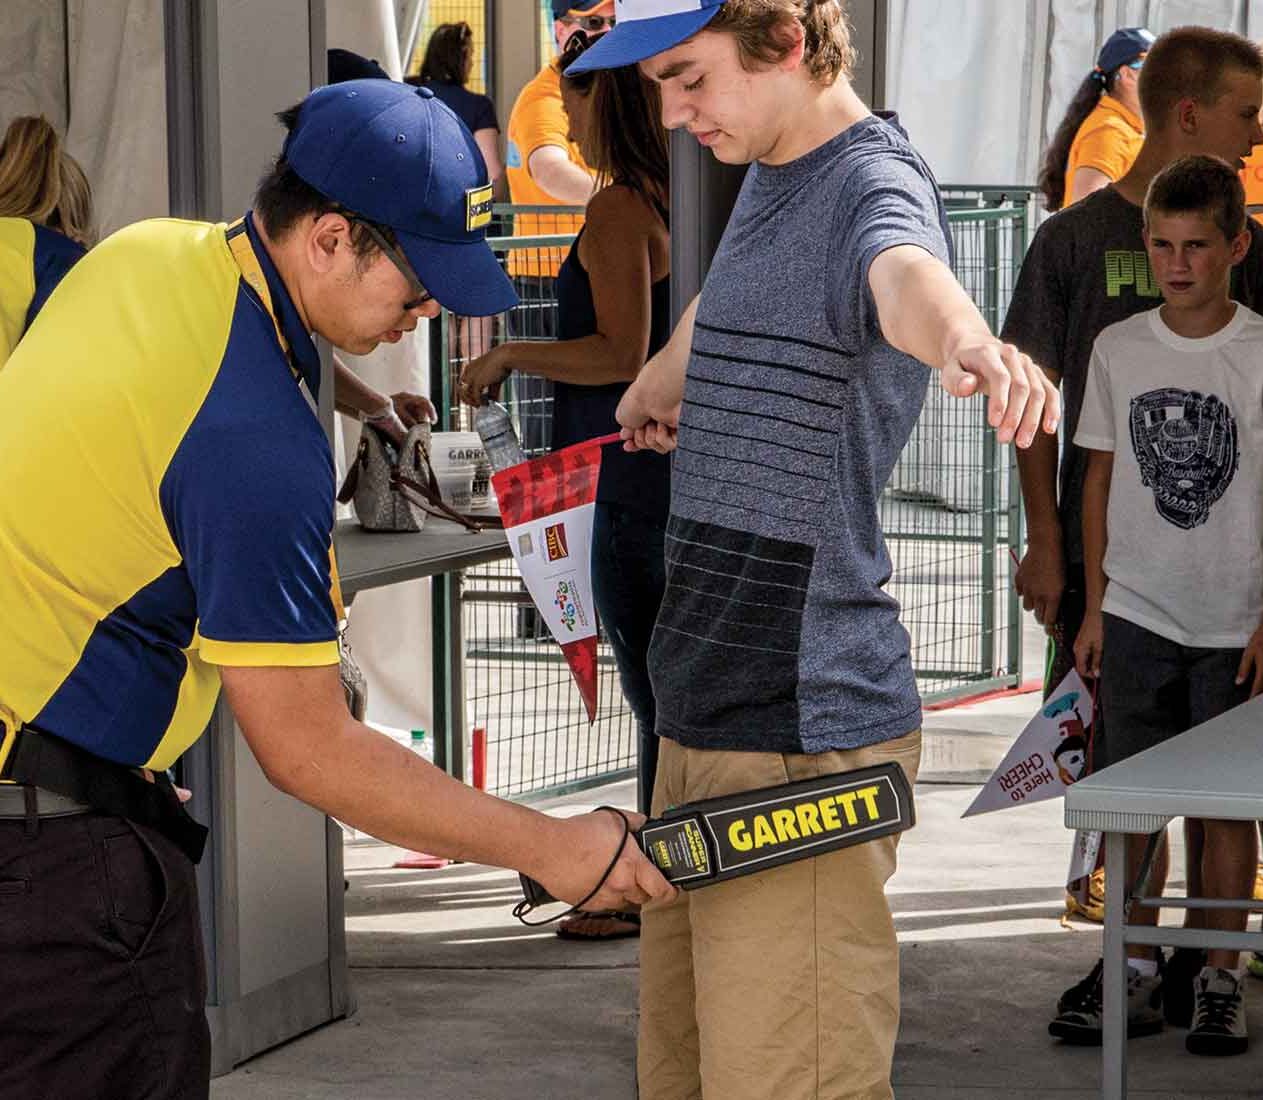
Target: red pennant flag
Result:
[547, 506]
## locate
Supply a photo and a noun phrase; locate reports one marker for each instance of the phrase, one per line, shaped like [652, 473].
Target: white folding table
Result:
[1215, 771]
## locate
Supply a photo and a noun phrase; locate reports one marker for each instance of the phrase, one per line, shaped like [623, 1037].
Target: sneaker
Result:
[1078, 1019]
[1255, 964]
[1218, 1014]
[1177, 984]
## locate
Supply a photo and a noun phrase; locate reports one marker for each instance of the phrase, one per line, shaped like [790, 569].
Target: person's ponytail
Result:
[1052, 176]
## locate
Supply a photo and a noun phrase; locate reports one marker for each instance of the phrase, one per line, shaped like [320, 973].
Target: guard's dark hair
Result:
[1052, 176]
[1192, 63]
[1199, 185]
[449, 54]
[283, 199]
[625, 143]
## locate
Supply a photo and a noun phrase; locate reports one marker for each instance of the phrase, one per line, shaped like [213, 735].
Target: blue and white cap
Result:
[643, 28]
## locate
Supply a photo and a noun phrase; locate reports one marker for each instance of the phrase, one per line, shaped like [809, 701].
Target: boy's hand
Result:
[647, 424]
[1252, 662]
[1089, 644]
[1020, 398]
[1041, 580]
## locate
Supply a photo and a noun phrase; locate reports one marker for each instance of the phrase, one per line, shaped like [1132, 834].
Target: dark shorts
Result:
[102, 977]
[1153, 689]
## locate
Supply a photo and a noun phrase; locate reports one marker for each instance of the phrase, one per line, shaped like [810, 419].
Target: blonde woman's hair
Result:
[43, 183]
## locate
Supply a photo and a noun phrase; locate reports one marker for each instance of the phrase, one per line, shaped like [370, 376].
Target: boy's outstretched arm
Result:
[924, 312]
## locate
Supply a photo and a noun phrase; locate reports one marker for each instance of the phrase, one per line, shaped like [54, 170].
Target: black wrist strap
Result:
[525, 907]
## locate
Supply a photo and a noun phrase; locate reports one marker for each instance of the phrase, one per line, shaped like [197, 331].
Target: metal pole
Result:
[414, 15]
[702, 194]
[990, 449]
[1114, 1008]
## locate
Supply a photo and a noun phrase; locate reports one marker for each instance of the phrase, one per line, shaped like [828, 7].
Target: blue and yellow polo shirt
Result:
[168, 495]
[33, 260]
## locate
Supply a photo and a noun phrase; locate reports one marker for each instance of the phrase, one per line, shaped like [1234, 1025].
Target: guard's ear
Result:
[326, 236]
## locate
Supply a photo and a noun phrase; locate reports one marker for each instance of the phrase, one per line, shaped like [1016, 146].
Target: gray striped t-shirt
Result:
[775, 633]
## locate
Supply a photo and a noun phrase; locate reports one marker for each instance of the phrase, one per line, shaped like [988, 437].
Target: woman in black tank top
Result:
[613, 315]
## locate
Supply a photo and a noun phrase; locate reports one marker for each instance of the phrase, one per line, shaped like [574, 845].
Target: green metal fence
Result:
[517, 685]
[952, 508]
[950, 512]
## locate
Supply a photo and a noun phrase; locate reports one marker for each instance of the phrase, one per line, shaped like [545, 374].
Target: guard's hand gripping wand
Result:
[739, 834]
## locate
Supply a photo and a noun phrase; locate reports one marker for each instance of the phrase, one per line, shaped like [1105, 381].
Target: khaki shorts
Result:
[781, 984]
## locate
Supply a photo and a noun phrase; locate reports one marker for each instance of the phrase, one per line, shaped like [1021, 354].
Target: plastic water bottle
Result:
[495, 428]
[422, 745]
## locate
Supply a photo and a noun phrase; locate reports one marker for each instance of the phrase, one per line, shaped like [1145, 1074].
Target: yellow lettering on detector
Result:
[847, 801]
[829, 814]
[739, 836]
[808, 819]
[784, 822]
[869, 795]
[763, 832]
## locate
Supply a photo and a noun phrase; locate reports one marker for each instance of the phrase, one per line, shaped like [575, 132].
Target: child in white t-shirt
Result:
[1173, 532]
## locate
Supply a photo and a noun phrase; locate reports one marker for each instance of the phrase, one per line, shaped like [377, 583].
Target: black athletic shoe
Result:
[1184, 965]
[1218, 1014]
[1078, 1018]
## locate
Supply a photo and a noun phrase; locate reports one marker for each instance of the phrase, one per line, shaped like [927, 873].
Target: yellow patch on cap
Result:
[477, 207]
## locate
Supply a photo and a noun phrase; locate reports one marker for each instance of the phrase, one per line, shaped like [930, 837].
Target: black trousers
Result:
[102, 975]
[629, 580]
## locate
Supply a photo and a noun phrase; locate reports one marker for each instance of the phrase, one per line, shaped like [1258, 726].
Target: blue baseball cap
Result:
[1123, 46]
[643, 28]
[399, 157]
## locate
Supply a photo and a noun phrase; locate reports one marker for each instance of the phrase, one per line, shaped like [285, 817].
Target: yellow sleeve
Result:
[540, 118]
[265, 654]
[1109, 148]
[17, 281]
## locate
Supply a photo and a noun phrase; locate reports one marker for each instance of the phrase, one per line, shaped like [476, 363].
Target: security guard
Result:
[174, 534]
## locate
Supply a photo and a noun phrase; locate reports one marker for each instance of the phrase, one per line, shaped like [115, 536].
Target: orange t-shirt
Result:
[1108, 140]
[1252, 178]
[538, 119]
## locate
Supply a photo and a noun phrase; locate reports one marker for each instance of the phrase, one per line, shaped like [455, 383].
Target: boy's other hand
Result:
[1020, 398]
[1041, 579]
[647, 424]
[1251, 667]
[1088, 645]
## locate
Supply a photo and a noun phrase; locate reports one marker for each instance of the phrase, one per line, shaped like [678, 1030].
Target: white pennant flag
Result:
[1048, 756]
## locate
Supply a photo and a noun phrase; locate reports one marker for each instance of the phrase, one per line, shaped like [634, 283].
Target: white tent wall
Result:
[981, 85]
[95, 69]
[389, 627]
[33, 61]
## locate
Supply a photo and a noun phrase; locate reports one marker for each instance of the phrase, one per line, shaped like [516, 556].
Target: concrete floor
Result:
[457, 1000]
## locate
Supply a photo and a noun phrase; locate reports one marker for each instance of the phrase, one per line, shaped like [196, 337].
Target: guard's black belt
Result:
[739, 834]
[39, 759]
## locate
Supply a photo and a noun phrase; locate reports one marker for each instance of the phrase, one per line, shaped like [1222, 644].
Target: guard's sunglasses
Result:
[395, 255]
[593, 24]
